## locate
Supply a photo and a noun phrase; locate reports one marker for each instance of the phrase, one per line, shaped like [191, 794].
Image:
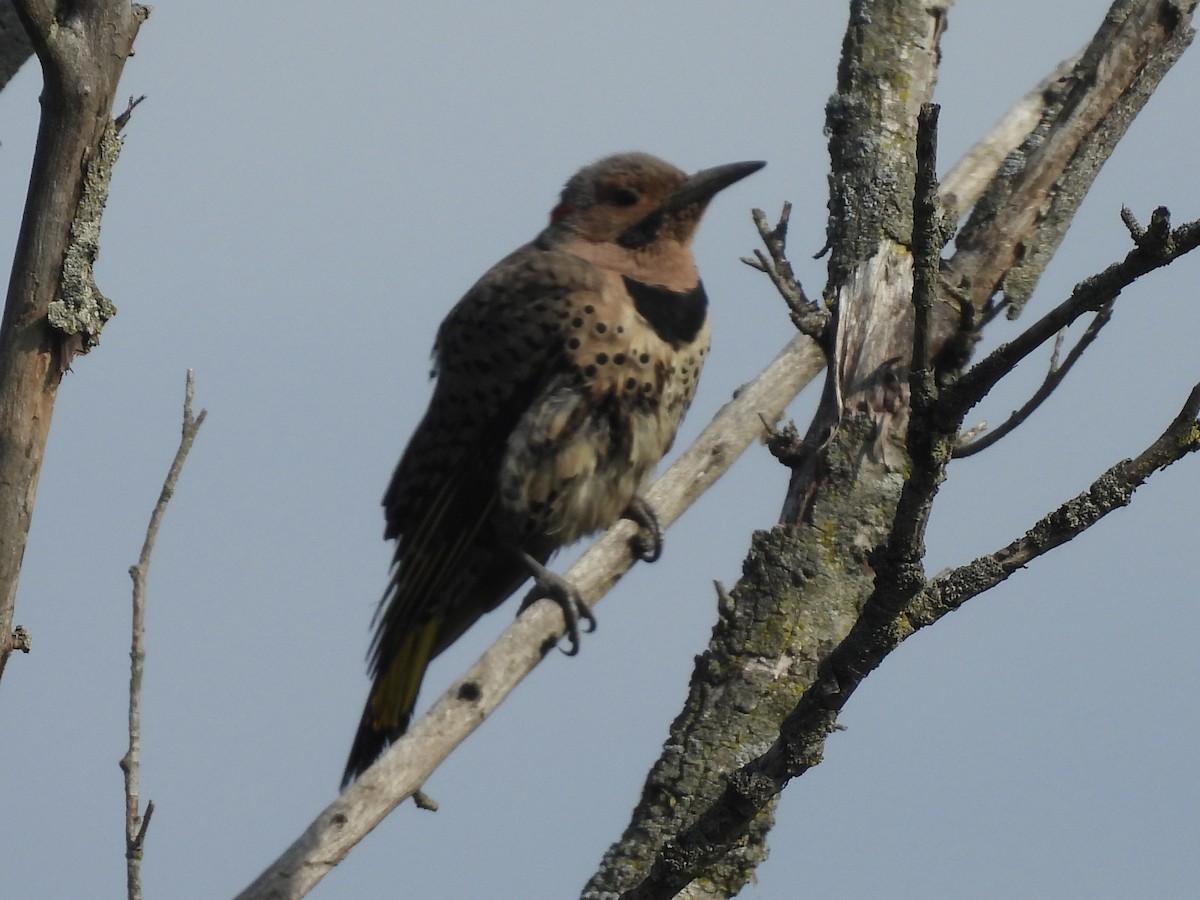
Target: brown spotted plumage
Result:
[562, 377]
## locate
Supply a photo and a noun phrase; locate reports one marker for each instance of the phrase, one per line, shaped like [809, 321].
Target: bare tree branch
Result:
[931, 232]
[1019, 222]
[1154, 248]
[965, 183]
[731, 817]
[82, 56]
[979, 441]
[1111, 491]
[884, 624]
[808, 318]
[467, 702]
[807, 581]
[135, 823]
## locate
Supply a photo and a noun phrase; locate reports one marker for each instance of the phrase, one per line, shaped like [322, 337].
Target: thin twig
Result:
[1054, 377]
[1111, 491]
[1156, 247]
[123, 119]
[809, 318]
[928, 240]
[136, 824]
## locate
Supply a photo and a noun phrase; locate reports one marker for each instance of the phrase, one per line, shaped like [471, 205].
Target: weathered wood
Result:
[805, 580]
[780, 664]
[82, 56]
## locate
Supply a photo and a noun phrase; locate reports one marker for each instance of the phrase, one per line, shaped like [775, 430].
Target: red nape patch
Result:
[561, 212]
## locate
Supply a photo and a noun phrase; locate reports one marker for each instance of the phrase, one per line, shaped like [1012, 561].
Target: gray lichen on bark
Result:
[79, 308]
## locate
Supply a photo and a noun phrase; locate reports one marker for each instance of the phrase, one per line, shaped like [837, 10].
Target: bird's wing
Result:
[498, 348]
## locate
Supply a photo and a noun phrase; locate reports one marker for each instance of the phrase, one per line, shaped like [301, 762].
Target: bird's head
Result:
[635, 200]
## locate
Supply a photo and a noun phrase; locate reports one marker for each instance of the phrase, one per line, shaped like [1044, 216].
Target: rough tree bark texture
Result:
[82, 49]
[805, 582]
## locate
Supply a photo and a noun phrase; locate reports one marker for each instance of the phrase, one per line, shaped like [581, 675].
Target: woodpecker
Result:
[561, 378]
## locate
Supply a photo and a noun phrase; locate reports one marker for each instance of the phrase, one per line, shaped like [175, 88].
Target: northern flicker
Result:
[562, 376]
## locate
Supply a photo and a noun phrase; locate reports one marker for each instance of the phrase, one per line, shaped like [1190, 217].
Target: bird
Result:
[561, 377]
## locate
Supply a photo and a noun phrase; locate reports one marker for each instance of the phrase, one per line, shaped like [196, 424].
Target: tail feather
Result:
[368, 746]
[401, 652]
[390, 704]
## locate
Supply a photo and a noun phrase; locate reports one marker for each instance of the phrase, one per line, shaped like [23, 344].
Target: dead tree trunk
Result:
[839, 582]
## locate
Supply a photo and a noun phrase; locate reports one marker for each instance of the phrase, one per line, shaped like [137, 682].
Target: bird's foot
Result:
[550, 586]
[647, 544]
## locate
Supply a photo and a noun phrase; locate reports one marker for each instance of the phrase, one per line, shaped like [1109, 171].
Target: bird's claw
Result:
[550, 586]
[647, 544]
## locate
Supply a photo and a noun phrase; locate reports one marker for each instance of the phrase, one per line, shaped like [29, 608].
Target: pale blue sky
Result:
[307, 190]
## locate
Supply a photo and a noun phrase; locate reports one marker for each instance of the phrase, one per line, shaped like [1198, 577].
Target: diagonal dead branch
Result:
[1019, 222]
[464, 706]
[966, 182]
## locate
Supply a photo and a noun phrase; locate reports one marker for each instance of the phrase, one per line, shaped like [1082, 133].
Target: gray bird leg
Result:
[551, 586]
[647, 544]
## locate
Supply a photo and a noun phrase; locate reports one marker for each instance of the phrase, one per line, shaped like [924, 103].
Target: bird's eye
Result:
[625, 196]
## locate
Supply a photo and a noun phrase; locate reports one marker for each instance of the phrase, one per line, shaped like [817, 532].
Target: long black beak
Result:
[703, 186]
[696, 191]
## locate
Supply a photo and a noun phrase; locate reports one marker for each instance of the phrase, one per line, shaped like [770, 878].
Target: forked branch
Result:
[807, 316]
[1156, 247]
